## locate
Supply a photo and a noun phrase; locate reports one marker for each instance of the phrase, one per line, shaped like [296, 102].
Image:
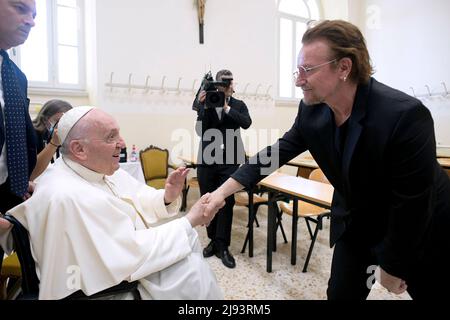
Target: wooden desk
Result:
[297, 188]
[443, 151]
[445, 164]
[190, 162]
[304, 164]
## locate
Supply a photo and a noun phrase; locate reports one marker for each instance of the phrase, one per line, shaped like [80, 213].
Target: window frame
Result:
[53, 84]
[294, 20]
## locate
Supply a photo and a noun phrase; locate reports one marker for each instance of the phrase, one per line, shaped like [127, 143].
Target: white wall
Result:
[161, 38]
[408, 41]
[410, 47]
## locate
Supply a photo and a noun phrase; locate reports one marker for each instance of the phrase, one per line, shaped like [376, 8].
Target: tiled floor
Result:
[249, 280]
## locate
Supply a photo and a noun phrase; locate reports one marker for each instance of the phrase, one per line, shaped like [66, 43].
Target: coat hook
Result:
[129, 81]
[414, 93]
[267, 91]
[162, 83]
[111, 80]
[178, 86]
[245, 89]
[193, 85]
[445, 88]
[257, 89]
[147, 84]
[428, 88]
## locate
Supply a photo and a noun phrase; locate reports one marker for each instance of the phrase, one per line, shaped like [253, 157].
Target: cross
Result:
[201, 14]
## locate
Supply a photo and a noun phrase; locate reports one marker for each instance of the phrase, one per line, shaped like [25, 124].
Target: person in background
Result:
[17, 136]
[46, 128]
[221, 152]
[377, 147]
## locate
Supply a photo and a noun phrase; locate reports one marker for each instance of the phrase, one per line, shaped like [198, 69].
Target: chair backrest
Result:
[155, 162]
[318, 175]
[30, 280]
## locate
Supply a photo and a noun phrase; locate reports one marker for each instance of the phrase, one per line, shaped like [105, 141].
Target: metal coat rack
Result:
[161, 88]
[430, 94]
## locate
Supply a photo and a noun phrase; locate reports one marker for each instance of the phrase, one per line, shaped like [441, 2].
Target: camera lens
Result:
[214, 98]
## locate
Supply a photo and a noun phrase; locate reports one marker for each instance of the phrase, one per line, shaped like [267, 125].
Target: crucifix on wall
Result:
[201, 14]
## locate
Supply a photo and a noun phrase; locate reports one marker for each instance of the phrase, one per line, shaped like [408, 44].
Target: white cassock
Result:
[91, 232]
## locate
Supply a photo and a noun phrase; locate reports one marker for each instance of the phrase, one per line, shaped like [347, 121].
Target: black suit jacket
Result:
[221, 139]
[388, 184]
[31, 135]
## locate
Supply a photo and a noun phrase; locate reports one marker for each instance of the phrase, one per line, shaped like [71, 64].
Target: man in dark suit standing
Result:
[17, 137]
[376, 145]
[220, 154]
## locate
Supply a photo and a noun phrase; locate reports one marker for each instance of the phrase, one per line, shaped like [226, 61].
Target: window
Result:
[53, 55]
[293, 18]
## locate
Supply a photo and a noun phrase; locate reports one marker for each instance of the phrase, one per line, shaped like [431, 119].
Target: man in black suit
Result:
[220, 154]
[376, 145]
[16, 21]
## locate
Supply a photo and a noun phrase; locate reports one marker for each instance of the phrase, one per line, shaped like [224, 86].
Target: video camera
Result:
[214, 97]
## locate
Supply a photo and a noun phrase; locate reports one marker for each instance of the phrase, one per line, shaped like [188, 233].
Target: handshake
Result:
[204, 210]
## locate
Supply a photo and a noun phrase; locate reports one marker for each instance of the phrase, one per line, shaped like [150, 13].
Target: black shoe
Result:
[227, 258]
[210, 250]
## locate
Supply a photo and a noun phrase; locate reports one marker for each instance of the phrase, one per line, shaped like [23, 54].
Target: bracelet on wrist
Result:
[55, 145]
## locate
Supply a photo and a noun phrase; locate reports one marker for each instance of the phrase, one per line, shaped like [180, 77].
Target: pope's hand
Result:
[215, 202]
[175, 184]
[4, 225]
[196, 215]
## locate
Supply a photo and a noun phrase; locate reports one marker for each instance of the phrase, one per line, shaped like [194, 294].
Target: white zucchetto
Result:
[69, 119]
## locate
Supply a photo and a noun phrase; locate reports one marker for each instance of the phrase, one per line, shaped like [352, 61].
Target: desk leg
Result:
[252, 219]
[294, 233]
[270, 230]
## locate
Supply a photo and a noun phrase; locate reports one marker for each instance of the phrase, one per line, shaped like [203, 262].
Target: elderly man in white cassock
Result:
[93, 226]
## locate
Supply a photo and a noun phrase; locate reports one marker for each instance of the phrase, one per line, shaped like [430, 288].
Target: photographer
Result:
[219, 119]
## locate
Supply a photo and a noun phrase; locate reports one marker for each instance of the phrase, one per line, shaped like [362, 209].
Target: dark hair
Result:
[222, 73]
[49, 109]
[345, 41]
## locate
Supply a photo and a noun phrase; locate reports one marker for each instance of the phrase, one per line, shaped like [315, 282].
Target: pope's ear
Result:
[78, 149]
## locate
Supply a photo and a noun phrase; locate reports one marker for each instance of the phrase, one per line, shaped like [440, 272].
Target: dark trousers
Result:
[210, 178]
[7, 199]
[351, 279]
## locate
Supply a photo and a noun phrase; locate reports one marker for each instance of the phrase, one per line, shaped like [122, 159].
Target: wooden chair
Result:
[10, 276]
[30, 280]
[155, 166]
[310, 213]
[242, 199]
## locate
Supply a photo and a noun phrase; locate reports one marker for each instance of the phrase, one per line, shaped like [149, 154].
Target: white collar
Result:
[82, 171]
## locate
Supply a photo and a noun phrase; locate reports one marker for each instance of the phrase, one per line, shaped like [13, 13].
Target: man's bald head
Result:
[95, 142]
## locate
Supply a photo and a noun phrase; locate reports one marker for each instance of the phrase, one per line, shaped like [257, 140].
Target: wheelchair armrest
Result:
[123, 287]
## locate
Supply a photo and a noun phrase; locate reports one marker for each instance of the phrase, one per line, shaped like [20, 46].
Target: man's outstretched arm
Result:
[217, 198]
